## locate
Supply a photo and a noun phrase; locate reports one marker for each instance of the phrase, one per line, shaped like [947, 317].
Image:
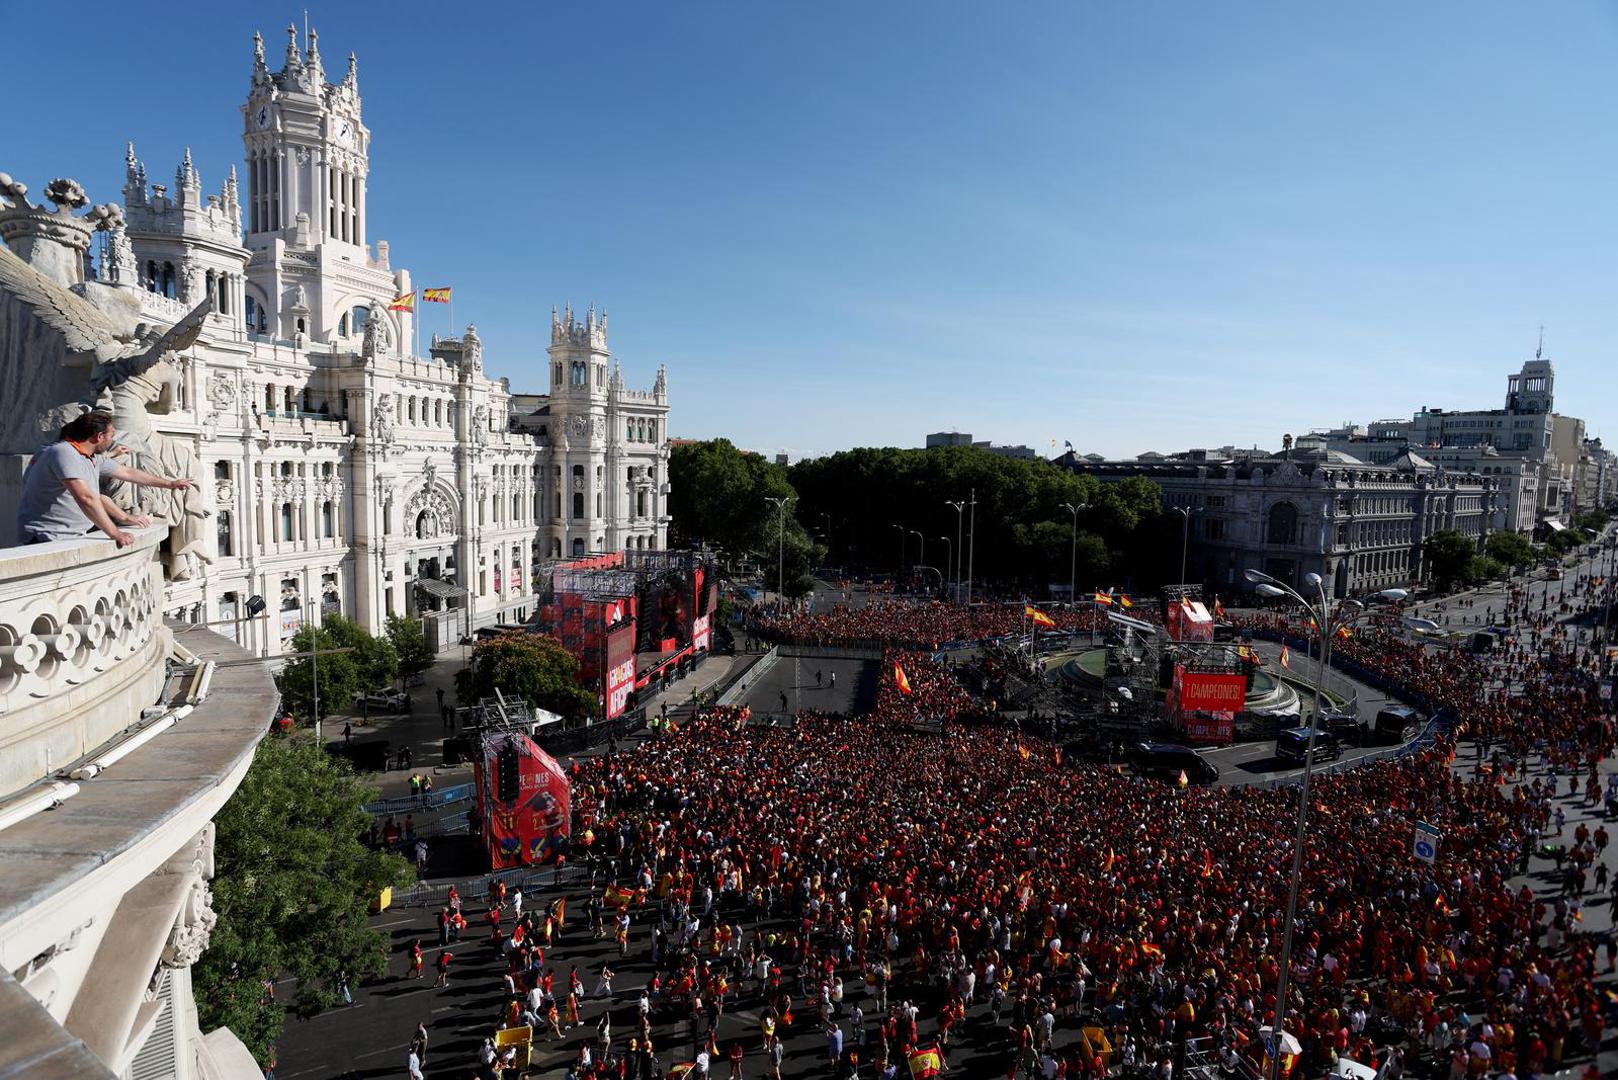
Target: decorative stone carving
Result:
[480, 425]
[382, 421]
[429, 473]
[375, 335]
[222, 392]
[578, 427]
[224, 492]
[429, 500]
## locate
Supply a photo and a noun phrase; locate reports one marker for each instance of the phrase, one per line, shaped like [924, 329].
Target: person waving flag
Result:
[899, 678]
[1038, 616]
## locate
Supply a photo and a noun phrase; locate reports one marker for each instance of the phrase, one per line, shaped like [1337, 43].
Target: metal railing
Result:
[427, 800]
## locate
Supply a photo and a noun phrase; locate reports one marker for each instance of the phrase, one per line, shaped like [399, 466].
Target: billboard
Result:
[1203, 691]
[523, 800]
[620, 667]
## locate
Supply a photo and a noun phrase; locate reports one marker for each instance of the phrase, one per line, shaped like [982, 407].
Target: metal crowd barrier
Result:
[429, 800]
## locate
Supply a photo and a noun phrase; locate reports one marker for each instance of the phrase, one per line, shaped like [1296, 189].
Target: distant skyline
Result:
[1132, 227]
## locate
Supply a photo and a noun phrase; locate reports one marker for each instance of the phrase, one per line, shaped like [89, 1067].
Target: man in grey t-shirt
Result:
[61, 488]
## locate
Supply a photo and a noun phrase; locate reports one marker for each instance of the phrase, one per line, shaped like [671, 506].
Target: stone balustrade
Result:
[82, 649]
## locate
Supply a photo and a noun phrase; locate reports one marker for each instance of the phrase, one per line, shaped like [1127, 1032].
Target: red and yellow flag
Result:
[1103, 598]
[403, 302]
[435, 296]
[1219, 609]
[1038, 616]
[1286, 657]
[1149, 949]
[1023, 752]
[926, 1063]
[1184, 780]
[899, 678]
[1344, 632]
[1106, 865]
[1125, 601]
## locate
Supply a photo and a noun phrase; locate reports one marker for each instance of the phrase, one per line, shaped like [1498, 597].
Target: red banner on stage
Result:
[1211, 692]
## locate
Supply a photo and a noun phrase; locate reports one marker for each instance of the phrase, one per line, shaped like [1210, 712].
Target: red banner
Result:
[523, 830]
[1210, 692]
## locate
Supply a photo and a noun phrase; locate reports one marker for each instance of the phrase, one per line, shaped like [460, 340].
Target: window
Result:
[227, 541]
[221, 470]
[357, 317]
[286, 522]
[578, 504]
[1283, 524]
[327, 520]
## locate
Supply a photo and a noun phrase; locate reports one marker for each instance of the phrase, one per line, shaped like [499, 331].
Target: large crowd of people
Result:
[901, 889]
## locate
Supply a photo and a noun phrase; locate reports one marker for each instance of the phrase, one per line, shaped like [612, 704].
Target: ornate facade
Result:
[345, 468]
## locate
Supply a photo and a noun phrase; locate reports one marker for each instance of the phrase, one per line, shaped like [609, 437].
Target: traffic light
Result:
[507, 774]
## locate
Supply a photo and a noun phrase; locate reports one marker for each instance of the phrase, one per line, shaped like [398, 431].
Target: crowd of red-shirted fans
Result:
[899, 890]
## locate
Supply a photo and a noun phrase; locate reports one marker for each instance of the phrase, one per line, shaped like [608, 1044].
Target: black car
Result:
[1165, 761]
[1293, 744]
[1394, 725]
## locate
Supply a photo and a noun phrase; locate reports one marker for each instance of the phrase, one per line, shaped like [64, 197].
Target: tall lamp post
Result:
[1073, 557]
[959, 506]
[780, 502]
[949, 551]
[921, 552]
[1185, 534]
[903, 534]
[1327, 621]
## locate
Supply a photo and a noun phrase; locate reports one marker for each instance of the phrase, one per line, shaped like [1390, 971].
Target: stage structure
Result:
[523, 795]
[633, 619]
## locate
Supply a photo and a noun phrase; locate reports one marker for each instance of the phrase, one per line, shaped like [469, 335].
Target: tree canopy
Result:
[369, 664]
[1510, 548]
[410, 645]
[1025, 535]
[721, 496]
[532, 667]
[291, 887]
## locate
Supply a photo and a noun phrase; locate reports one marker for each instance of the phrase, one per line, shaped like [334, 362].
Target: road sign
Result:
[1426, 847]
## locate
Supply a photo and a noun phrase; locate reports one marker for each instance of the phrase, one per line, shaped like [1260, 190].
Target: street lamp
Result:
[921, 552]
[958, 506]
[1073, 557]
[1185, 534]
[949, 550]
[780, 502]
[1327, 622]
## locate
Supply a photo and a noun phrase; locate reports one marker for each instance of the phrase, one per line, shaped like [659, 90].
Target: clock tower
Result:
[307, 161]
[306, 151]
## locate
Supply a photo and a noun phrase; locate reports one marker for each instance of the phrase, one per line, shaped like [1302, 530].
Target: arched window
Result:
[227, 542]
[327, 520]
[358, 316]
[1283, 524]
[153, 282]
[212, 288]
[168, 280]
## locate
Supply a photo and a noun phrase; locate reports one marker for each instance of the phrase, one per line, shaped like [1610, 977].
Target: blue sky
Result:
[1132, 226]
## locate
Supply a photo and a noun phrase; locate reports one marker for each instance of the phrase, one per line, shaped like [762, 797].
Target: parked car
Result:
[1293, 745]
[1165, 761]
[385, 701]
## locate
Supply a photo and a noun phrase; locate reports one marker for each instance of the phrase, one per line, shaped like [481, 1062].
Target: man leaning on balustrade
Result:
[61, 489]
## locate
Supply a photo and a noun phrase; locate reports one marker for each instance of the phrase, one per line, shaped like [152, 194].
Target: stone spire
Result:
[352, 79]
[134, 178]
[230, 198]
[261, 73]
[316, 72]
[294, 62]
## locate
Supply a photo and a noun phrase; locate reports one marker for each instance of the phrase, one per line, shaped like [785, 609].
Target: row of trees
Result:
[1453, 559]
[1025, 531]
[863, 508]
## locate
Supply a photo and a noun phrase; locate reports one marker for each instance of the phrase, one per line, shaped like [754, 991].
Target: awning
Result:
[1554, 525]
[441, 589]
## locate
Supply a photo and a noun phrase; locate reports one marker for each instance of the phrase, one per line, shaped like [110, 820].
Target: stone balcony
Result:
[104, 897]
[81, 649]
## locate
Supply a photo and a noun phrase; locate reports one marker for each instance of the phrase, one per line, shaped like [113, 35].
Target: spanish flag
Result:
[403, 302]
[1038, 616]
[1207, 863]
[1219, 609]
[926, 1063]
[1286, 657]
[618, 897]
[899, 678]
[1184, 781]
[1149, 949]
[1125, 601]
[1106, 866]
[1103, 598]
[435, 296]
[1023, 752]
[1344, 632]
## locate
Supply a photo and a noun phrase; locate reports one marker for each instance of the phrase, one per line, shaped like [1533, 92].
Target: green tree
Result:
[1449, 558]
[721, 496]
[410, 645]
[1592, 520]
[1510, 548]
[337, 674]
[1484, 569]
[532, 667]
[291, 888]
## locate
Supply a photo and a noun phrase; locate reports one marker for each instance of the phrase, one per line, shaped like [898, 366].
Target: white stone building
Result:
[351, 471]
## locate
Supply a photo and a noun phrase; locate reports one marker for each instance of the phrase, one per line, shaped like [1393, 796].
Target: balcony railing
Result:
[81, 648]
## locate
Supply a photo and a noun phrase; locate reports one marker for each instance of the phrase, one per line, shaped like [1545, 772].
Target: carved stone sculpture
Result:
[382, 421]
